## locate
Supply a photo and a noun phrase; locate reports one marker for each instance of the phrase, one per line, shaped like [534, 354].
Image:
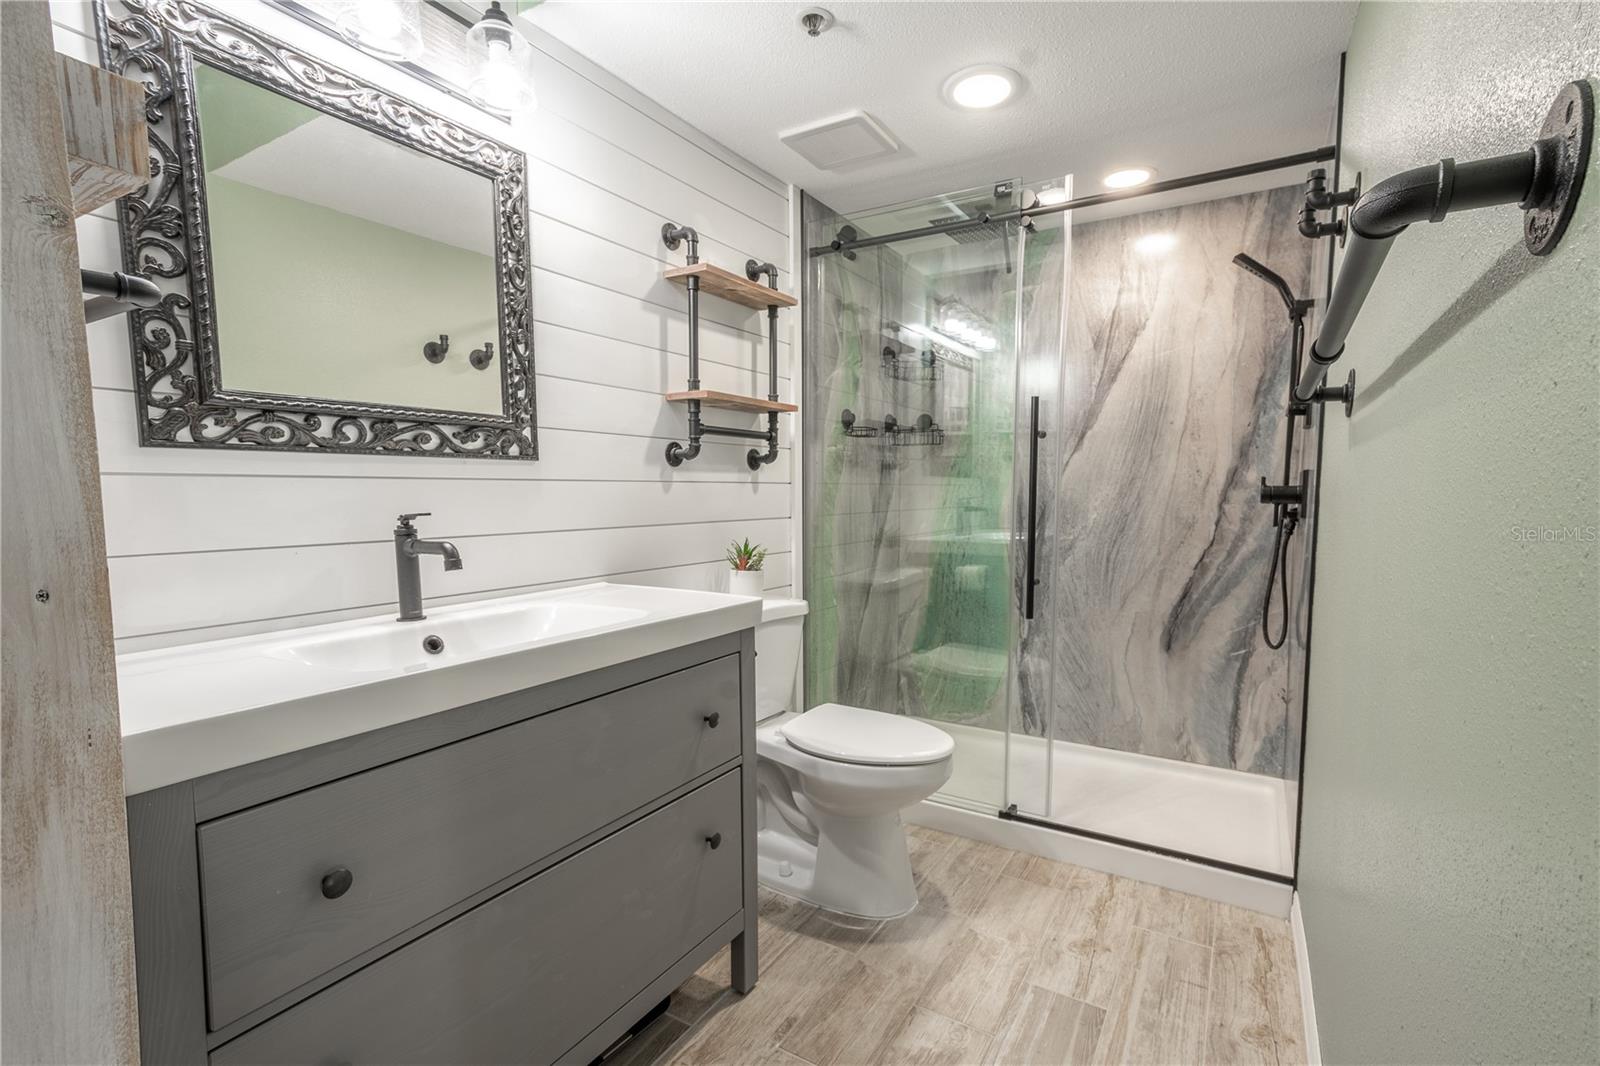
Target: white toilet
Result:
[830, 785]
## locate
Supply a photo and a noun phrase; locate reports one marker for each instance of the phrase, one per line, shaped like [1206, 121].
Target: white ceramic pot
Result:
[745, 582]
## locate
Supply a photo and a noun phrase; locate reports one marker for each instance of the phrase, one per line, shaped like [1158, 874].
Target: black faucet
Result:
[408, 573]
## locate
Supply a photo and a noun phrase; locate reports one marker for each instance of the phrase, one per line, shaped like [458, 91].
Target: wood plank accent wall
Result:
[207, 544]
[66, 935]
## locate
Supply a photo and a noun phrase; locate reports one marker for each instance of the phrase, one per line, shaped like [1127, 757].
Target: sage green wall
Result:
[1449, 852]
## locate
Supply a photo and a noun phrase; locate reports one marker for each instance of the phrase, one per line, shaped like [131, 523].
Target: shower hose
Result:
[1279, 574]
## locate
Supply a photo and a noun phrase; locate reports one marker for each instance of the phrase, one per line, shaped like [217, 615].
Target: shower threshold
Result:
[1225, 818]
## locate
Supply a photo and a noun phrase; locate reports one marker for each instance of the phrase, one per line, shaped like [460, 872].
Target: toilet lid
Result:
[872, 738]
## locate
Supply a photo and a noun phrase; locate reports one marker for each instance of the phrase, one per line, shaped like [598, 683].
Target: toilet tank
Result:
[779, 638]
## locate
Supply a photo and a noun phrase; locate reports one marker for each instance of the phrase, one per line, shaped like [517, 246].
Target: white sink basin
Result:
[448, 634]
[200, 708]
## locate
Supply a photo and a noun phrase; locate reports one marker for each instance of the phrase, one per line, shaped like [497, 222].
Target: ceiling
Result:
[1181, 87]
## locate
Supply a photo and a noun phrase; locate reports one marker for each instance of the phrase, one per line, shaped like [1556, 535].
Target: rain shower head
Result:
[1268, 276]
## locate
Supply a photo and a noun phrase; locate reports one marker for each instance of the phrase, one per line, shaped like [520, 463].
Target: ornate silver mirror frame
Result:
[176, 369]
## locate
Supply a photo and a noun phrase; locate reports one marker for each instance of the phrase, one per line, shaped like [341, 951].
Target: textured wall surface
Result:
[1449, 858]
[1176, 373]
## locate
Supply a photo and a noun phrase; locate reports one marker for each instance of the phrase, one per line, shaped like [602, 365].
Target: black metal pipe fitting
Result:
[678, 454]
[756, 458]
[1342, 394]
[1292, 494]
[673, 234]
[114, 292]
[1545, 181]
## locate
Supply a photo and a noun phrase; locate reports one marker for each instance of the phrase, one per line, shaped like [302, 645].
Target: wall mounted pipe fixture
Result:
[480, 358]
[1544, 180]
[1318, 198]
[435, 351]
[116, 293]
[675, 236]
[729, 286]
[755, 458]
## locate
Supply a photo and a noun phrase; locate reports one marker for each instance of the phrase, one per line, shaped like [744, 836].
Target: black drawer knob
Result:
[714, 841]
[713, 718]
[336, 882]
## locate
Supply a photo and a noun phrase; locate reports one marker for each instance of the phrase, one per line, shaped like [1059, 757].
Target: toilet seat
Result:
[863, 737]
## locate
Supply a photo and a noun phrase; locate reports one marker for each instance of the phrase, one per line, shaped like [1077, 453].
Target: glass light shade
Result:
[501, 77]
[389, 29]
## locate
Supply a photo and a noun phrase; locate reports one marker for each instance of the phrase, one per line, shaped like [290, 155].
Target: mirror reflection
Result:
[340, 259]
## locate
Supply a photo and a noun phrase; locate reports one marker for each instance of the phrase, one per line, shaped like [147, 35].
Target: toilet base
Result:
[859, 866]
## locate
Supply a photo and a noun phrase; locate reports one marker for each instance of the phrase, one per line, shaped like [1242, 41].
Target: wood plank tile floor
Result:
[1008, 958]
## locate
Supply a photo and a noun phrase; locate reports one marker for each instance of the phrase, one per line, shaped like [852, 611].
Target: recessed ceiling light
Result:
[1155, 243]
[1127, 179]
[981, 87]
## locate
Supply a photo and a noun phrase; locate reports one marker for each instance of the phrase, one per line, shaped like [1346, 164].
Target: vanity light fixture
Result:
[501, 77]
[1127, 178]
[982, 87]
[388, 29]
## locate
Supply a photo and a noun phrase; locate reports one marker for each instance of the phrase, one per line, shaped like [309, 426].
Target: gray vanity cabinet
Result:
[519, 880]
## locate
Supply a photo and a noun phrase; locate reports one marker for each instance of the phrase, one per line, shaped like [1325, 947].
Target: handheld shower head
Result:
[1268, 276]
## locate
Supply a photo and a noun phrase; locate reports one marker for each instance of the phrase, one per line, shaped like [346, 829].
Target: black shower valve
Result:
[1287, 497]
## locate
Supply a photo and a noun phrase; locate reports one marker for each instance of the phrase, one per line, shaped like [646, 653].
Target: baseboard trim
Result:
[1180, 875]
[1302, 964]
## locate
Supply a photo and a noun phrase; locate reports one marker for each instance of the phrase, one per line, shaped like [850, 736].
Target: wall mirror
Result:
[342, 269]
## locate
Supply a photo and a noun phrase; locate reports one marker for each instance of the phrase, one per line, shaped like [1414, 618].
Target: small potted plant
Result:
[745, 559]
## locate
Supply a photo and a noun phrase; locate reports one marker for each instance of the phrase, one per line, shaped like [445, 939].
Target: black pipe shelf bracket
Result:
[1544, 180]
[696, 277]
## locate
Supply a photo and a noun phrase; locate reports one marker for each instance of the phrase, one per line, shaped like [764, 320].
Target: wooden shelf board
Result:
[731, 286]
[108, 143]
[711, 398]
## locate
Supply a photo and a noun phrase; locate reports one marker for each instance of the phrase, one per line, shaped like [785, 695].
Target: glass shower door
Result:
[916, 558]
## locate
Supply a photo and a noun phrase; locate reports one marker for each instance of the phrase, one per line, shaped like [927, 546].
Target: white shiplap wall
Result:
[207, 543]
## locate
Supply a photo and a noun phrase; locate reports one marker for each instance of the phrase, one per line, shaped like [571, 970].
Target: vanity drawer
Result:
[425, 832]
[525, 976]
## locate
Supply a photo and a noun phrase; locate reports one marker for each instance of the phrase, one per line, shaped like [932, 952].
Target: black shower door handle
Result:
[1035, 434]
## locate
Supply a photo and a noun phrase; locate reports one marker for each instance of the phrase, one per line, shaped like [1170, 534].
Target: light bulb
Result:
[502, 76]
[980, 88]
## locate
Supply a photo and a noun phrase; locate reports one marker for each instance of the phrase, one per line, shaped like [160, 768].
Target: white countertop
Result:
[193, 710]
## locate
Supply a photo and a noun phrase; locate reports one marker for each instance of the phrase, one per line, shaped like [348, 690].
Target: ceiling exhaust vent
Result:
[842, 141]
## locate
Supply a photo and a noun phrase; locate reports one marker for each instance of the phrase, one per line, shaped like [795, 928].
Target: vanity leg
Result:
[744, 959]
[744, 945]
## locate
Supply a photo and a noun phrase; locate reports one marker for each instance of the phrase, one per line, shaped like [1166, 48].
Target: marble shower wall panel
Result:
[1175, 376]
